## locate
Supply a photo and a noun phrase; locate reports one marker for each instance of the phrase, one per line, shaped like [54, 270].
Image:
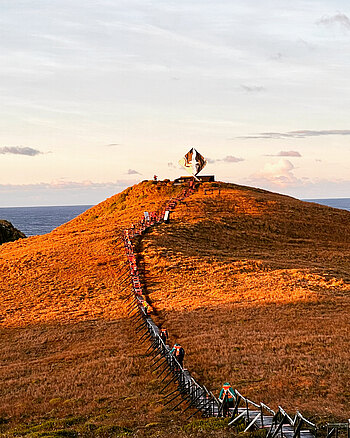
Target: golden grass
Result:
[254, 285]
[67, 346]
[73, 273]
[258, 296]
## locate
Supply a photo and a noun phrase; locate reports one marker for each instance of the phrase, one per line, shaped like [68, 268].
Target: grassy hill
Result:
[253, 284]
[256, 288]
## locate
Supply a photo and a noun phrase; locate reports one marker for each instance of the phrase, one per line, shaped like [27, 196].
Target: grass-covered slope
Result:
[256, 288]
[254, 285]
[73, 273]
[67, 347]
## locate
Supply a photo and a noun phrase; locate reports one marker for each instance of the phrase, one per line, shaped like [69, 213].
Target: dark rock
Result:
[8, 233]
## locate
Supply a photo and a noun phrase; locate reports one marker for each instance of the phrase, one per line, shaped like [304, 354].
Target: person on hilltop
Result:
[164, 335]
[227, 394]
[179, 353]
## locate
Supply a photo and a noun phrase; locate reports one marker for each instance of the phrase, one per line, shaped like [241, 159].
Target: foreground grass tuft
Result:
[71, 428]
[206, 425]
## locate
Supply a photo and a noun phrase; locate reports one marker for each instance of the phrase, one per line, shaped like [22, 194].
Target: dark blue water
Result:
[40, 220]
[343, 203]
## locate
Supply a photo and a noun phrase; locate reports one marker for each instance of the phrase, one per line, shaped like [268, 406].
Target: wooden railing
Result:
[337, 430]
[188, 390]
[163, 362]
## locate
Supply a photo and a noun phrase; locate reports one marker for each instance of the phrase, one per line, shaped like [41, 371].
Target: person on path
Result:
[227, 395]
[179, 353]
[164, 335]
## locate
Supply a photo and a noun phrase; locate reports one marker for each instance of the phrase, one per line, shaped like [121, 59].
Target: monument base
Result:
[202, 178]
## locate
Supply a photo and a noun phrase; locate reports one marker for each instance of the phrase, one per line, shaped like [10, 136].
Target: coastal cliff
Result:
[8, 233]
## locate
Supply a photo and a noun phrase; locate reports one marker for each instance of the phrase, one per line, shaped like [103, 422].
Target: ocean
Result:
[342, 203]
[41, 220]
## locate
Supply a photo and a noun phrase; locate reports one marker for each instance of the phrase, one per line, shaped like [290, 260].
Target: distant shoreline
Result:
[341, 203]
[33, 221]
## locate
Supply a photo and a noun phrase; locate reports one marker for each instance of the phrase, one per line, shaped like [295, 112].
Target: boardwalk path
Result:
[189, 391]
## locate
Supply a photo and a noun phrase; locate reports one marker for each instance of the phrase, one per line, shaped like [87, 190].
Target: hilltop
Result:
[254, 285]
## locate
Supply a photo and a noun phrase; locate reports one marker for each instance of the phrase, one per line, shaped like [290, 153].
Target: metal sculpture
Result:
[193, 162]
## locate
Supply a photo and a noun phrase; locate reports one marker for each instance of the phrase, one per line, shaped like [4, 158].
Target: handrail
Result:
[252, 422]
[333, 429]
[339, 425]
[191, 391]
[246, 399]
[236, 418]
[331, 432]
[195, 394]
[267, 408]
[252, 403]
[298, 414]
[239, 394]
[284, 413]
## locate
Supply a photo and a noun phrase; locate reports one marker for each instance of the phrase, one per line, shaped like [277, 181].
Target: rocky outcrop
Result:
[8, 233]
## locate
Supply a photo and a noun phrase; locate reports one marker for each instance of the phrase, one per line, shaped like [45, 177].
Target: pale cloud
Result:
[279, 176]
[175, 166]
[227, 159]
[231, 159]
[338, 19]
[277, 56]
[211, 160]
[19, 150]
[252, 88]
[298, 134]
[275, 174]
[133, 172]
[62, 184]
[283, 181]
[286, 154]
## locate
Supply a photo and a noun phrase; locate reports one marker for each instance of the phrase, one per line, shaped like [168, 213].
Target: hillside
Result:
[256, 287]
[253, 284]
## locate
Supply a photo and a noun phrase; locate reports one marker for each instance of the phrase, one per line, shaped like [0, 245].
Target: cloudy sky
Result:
[99, 94]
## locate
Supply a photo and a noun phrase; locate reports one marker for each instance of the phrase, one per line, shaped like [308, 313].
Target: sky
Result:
[97, 95]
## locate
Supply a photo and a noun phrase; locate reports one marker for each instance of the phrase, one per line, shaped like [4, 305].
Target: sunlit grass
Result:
[254, 285]
[256, 288]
